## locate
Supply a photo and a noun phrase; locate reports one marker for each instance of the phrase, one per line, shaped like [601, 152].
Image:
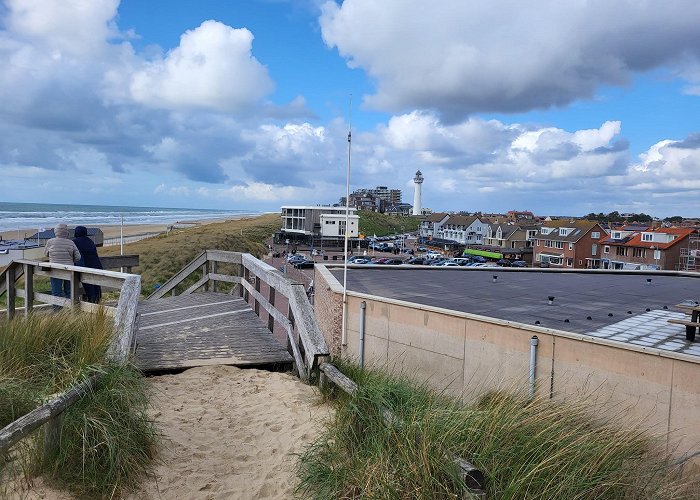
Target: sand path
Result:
[227, 433]
[231, 433]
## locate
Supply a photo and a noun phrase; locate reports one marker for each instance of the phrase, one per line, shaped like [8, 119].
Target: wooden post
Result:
[240, 273]
[290, 317]
[213, 270]
[52, 434]
[205, 271]
[11, 291]
[74, 288]
[256, 304]
[28, 288]
[246, 276]
[270, 318]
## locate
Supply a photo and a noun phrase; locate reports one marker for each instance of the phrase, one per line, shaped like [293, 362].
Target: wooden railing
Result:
[305, 341]
[125, 322]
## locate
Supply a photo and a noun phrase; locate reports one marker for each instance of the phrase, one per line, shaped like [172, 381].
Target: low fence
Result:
[125, 323]
[304, 338]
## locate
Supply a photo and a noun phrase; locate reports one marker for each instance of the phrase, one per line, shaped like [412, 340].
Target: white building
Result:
[467, 230]
[319, 220]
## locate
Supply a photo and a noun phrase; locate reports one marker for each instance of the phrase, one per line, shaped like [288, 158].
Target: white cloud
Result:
[213, 67]
[462, 57]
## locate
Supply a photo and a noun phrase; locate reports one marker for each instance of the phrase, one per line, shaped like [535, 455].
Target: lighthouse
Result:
[417, 180]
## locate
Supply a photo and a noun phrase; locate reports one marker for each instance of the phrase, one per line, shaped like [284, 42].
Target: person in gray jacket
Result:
[61, 250]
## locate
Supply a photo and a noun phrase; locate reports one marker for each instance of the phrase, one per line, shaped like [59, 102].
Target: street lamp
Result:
[286, 255]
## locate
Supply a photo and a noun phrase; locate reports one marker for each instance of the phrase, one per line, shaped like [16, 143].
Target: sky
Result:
[561, 108]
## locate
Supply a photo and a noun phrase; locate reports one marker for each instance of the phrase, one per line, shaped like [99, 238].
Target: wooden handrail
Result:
[170, 285]
[125, 322]
[28, 423]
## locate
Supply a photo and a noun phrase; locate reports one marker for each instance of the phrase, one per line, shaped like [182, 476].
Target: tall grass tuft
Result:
[526, 448]
[107, 438]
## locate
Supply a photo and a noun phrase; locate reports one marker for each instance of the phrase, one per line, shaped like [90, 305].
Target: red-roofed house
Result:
[648, 249]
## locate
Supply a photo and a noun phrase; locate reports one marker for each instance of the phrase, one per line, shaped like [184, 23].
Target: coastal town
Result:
[611, 241]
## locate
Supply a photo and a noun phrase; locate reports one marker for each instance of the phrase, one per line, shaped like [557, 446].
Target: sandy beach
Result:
[114, 230]
[227, 433]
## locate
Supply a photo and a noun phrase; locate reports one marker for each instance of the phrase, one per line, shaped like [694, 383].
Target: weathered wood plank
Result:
[10, 285]
[235, 337]
[50, 299]
[119, 261]
[125, 319]
[179, 277]
[271, 310]
[25, 425]
[202, 282]
[224, 278]
[28, 288]
[86, 276]
[309, 332]
[268, 274]
[224, 256]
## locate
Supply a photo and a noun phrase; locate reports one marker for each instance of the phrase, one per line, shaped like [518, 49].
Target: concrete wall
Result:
[465, 355]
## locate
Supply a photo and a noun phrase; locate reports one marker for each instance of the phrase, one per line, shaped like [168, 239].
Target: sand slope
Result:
[230, 433]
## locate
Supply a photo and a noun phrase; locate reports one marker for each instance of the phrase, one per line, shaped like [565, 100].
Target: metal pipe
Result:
[533, 363]
[363, 308]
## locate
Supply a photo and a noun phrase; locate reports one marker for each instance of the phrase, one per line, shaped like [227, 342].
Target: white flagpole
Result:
[344, 332]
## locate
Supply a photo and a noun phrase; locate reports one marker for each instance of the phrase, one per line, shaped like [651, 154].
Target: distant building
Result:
[465, 230]
[432, 222]
[510, 235]
[645, 248]
[391, 196]
[520, 216]
[94, 233]
[307, 223]
[403, 209]
[568, 244]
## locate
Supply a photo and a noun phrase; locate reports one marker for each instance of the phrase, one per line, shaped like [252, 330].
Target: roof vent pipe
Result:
[533, 363]
[495, 278]
[551, 300]
[648, 281]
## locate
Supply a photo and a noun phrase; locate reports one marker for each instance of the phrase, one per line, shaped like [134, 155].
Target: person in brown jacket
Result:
[61, 250]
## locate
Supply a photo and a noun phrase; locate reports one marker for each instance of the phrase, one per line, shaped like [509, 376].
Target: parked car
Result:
[447, 263]
[479, 259]
[518, 263]
[422, 249]
[393, 262]
[408, 251]
[362, 260]
[416, 261]
[353, 258]
[304, 264]
[503, 263]
[295, 258]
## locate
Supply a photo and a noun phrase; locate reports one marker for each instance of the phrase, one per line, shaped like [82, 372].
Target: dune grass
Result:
[163, 256]
[107, 440]
[526, 448]
[372, 223]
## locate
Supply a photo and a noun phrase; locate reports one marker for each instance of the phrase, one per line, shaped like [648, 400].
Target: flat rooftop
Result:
[617, 306]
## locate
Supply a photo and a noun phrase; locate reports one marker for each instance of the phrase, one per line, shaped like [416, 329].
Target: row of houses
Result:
[578, 244]
[587, 245]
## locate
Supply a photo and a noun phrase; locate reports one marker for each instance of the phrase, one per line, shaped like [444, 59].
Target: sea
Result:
[36, 216]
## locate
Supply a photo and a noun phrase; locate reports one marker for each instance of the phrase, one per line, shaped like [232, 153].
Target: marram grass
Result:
[536, 449]
[107, 439]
